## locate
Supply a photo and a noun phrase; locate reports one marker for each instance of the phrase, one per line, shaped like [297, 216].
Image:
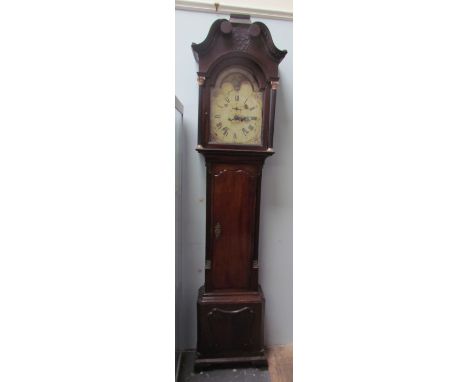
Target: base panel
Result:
[230, 329]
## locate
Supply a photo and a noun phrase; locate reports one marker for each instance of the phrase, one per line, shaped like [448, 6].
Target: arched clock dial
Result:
[236, 110]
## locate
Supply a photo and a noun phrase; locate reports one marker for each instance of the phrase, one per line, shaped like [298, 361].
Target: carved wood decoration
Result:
[238, 80]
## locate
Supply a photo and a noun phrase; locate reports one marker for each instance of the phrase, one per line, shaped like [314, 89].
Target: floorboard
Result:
[280, 363]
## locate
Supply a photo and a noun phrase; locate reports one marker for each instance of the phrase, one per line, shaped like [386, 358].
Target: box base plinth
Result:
[228, 362]
[230, 329]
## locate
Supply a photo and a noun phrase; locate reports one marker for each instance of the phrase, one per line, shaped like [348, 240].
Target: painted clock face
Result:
[236, 109]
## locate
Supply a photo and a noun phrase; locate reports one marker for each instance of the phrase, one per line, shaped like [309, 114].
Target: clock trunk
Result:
[233, 208]
[231, 304]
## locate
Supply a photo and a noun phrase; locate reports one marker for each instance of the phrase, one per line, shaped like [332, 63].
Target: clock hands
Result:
[240, 118]
[232, 108]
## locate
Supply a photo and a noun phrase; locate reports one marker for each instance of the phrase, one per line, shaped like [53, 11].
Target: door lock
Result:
[217, 230]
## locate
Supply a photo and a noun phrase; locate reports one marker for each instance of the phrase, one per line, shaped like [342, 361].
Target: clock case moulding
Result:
[230, 306]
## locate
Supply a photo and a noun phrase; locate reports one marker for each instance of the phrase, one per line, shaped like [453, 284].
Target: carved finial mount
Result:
[254, 30]
[239, 18]
[226, 27]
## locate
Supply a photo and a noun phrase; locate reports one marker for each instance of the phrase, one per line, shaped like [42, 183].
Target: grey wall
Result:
[275, 247]
[178, 228]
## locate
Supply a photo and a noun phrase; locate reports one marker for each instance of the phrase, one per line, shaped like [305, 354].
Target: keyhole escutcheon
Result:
[217, 230]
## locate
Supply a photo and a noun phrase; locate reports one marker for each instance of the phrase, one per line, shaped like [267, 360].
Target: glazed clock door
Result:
[233, 224]
[236, 106]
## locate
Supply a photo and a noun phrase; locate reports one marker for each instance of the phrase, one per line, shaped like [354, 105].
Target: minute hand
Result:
[239, 118]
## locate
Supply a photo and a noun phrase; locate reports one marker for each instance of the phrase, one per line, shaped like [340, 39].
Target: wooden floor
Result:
[280, 363]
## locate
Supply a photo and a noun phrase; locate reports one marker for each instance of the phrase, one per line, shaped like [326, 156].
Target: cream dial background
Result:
[236, 112]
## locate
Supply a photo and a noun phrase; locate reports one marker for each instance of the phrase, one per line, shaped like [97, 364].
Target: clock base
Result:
[228, 362]
[230, 329]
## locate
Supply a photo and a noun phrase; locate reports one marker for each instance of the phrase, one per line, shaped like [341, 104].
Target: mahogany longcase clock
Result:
[238, 80]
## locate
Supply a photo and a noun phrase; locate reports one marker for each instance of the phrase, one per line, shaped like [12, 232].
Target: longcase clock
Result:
[238, 80]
